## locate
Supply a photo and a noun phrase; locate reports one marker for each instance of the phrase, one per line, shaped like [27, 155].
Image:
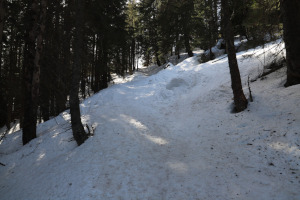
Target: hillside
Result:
[172, 136]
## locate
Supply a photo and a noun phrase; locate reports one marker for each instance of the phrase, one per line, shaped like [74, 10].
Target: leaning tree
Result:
[240, 100]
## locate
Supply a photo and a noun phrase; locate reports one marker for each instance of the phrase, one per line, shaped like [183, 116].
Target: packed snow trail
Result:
[167, 136]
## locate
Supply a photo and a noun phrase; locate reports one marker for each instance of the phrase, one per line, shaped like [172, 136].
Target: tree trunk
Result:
[157, 59]
[11, 78]
[186, 17]
[124, 62]
[240, 100]
[291, 26]
[187, 43]
[105, 71]
[177, 47]
[97, 68]
[78, 131]
[2, 101]
[133, 54]
[93, 63]
[1, 20]
[32, 68]
[1, 32]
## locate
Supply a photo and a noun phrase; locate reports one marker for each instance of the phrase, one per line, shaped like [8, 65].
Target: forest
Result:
[149, 99]
[51, 51]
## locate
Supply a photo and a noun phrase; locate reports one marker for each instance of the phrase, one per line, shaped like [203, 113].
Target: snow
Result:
[170, 135]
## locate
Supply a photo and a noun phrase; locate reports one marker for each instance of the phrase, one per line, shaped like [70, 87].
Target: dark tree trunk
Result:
[83, 83]
[2, 101]
[186, 26]
[156, 49]
[34, 42]
[133, 54]
[157, 59]
[1, 22]
[104, 64]
[97, 70]
[93, 63]
[11, 78]
[240, 100]
[78, 131]
[291, 26]
[124, 62]
[130, 60]
[187, 43]
[60, 69]
[105, 72]
[177, 47]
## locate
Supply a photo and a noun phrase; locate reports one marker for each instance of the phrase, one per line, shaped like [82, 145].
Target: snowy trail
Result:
[167, 136]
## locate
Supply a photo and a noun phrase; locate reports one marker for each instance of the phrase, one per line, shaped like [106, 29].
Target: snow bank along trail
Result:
[168, 136]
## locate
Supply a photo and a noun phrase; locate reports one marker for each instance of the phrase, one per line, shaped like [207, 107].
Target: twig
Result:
[90, 132]
[250, 93]
[2, 164]
[279, 66]
[2, 137]
[88, 128]
[56, 121]
[219, 59]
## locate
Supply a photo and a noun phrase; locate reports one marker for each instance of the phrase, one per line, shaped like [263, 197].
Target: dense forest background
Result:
[44, 42]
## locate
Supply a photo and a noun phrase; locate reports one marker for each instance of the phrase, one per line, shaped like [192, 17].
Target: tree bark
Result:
[177, 46]
[188, 7]
[34, 42]
[240, 100]
[187, 43]
[291, 26]
[2, 101]
[1, 31]
[11, 78]
[78, 131]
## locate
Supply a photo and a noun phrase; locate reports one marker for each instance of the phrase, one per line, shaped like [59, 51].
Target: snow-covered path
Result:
[167, 136]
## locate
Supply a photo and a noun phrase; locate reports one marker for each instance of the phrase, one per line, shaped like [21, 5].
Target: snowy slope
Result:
[168, 136]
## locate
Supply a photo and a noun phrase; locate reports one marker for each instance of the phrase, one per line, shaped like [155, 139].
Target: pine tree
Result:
[206, 23]
[240, 100]
[37, 15]
[187, 8]
[77, 127]
[258, 20]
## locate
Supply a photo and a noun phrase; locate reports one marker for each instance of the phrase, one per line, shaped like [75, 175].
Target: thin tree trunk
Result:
[124, 62]
[60, 68]
[9, 83]
[32, 70]
[130, 60]
[133, 54]
[177, 48]
[97, 69]
[93, 63]
[78, 131]
[1, 20]
[291, 25]
[187, 43]
[2, 101]
[1, 32]
[186, 27]
[240, 100]
[157, 59]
